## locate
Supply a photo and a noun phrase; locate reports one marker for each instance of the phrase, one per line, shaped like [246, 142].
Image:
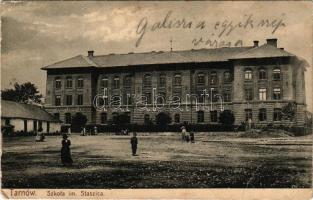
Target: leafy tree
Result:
[163, 119]
[227, 118]
[288, 111]
[78, 121]
[22, 93]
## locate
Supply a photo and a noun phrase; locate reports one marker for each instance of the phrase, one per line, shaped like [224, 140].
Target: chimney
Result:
[272, 42]
[90, 53]
[255, 43]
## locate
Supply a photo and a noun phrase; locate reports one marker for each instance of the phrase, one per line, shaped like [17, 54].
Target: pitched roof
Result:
[11, 109]
[170, 57]
[77, 61]
[264, 51]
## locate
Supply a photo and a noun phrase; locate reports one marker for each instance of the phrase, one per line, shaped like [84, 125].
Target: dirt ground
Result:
[215, 160]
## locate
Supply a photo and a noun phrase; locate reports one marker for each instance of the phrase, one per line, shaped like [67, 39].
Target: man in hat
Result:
[134, 142]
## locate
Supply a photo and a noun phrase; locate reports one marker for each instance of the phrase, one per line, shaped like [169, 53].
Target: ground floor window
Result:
[200, 116]
[248, 113]
[68, 118]
[104, 118]
[146, 119]
[213, 115]
[262, 114]
[177, 118]
[277, 114]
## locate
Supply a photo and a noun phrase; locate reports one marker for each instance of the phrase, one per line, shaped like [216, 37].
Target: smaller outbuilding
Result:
[25, 118]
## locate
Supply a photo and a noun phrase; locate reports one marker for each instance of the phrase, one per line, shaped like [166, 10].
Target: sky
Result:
[36, 34]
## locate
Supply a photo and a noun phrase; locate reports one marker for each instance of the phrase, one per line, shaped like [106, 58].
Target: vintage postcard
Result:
[156, 100]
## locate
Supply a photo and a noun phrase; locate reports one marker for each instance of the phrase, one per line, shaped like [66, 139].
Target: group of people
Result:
[40, 137]
[90, 132]
[187, 136]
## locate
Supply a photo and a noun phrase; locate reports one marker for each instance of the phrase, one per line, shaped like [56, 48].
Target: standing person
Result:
[134, 142]
[39, 135]
[183, 133]
[95, 130]
[83, 131]
[192, 137]
[66, 157]
[69, 131]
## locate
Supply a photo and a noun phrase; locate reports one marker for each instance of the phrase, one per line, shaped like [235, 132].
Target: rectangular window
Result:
[68, 118]
[277, 93]
[213, 95]
[116, 83]
[248, 74]
[104, 82]
[213, 78]
[69, 82]
[162, 80]
[277, 114]
[177, 80]
[58, 84]
[7, 122]
[56, 115]
[227, 95]
[262, 74]
[213, 115]
[201, 79]
[148, 98]
[80, 82]
[248, 113]
[104, 118]
[262, 94]
[58, 100]
[69, 100]
[200, 116]
[262, 114]
[80, 99]
[248, 94]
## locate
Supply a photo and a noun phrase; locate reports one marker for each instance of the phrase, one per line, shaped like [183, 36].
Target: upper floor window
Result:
[200, 79]
[80, 82]
[58, 83]
[161, 98]
[69, 82]
[127, 81]
[227, 77]
[80, 99]
[116, 82]
[262, 74]
[214, 97]
[104, 82]
[147, 82]
[177, 79]
[69, 100]
[277, 93]
[162, 80]
[262, 114]
[213, 78]
[248, 94]
[57, 100]
[262, 94]
[276, 74]
[227, 95]
[248, 74]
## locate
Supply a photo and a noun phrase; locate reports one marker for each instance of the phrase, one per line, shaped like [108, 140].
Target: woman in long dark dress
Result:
[66, 151]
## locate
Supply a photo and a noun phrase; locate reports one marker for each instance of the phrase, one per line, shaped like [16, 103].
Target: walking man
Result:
[134, 142]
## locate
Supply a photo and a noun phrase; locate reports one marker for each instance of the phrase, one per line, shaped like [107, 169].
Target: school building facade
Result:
[254, 82]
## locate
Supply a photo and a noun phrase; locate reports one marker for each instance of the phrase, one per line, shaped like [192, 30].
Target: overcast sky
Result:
[36, 34]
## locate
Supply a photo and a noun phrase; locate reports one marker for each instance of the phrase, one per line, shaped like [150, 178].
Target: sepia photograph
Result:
[100, 97]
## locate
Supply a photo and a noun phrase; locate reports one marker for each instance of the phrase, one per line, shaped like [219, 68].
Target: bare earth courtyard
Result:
[215, 160]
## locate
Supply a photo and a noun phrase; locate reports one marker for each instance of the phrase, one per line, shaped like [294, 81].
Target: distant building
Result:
[27, 118]
[255, 82]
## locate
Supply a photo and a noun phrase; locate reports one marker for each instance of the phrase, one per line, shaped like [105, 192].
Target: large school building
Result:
[193, 86]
